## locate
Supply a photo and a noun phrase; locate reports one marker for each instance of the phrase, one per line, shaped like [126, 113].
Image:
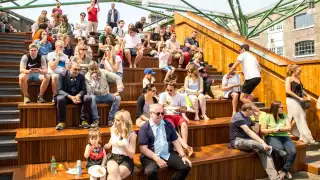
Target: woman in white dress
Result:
[295, 94]
[81, 26]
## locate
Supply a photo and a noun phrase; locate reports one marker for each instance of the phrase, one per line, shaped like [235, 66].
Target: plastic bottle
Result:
[79, 167]
[53, 165]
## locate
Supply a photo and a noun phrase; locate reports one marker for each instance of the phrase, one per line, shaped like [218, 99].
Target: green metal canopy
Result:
[283, 8]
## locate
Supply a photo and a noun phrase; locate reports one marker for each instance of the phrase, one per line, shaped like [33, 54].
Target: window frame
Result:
[302, 48]
[303, 26]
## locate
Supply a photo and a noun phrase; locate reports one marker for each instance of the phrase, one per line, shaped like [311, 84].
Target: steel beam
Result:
[202, 13]
[29, 3]
[15, 3]
[235, 16]
[144, 8]
[295, 11]
[265, 17]
[243, 20]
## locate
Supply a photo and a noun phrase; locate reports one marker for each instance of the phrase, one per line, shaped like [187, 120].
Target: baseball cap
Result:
[245, 46]
[148, 71]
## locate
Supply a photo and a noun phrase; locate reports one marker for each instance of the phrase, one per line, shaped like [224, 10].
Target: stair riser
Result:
[16, 99]
[9, 148]
[12, 38]
[12, 47]
[8, 116]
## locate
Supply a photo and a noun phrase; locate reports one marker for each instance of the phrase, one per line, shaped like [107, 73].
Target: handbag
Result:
[305, 104]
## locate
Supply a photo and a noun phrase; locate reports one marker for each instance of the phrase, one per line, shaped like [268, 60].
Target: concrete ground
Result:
[302, 175]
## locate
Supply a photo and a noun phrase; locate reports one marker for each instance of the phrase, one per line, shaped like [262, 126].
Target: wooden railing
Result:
[221, 48]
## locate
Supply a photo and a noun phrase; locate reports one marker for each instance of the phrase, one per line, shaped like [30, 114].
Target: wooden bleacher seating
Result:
[37, 139]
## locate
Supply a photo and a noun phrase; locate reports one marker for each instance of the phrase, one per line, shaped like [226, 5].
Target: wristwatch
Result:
[183, 156]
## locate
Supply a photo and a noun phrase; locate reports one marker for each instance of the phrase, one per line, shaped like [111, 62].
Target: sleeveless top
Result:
[96, 156]
[114, 138]
[297, 89]
[193, 85]
[33, 63]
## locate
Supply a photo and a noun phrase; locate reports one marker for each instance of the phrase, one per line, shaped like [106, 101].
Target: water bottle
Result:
[79, 168]
[53, 165]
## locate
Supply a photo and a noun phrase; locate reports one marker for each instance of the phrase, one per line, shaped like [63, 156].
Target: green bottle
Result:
[53, 165]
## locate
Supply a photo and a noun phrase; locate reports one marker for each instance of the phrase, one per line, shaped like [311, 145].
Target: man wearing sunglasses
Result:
[157, 139]
[72, 90]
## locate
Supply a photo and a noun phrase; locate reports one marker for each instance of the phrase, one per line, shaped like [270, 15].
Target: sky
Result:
[132, 14]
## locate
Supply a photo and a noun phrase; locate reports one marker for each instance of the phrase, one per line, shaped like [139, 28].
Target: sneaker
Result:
[134, 66]
[26, 100]
[130, 66]
[60, 126]
[40, 99]
[189, 109]
[205, 117]
[85, 125]
[110, 123]
[288, 176]
[95, 124]
[207, 96]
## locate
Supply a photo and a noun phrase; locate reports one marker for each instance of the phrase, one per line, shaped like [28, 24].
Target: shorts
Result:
[122, 160]
[132, 51]
[166, 68]
[34, 77]
[250, 84]
[229, 95]
[176, 120]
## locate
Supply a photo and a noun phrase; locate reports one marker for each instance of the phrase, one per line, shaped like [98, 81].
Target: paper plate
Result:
[97, 171]
[72, 171]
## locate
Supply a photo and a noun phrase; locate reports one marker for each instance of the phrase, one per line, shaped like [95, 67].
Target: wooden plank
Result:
[32, 115]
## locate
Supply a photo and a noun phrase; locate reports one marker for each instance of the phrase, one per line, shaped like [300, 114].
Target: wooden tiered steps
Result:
[36, 115]
[67, 145]
[215, 161]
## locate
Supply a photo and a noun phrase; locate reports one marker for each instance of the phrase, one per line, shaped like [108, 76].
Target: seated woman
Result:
[67, 46]
[123, 142]
[193, 85]
[143, 103]
[82, 59]
[44, 45]
[109, 41]
[207, 82]
[83, 41]
[112, 62]
[64, 27]
[37, 35]
[275, 126]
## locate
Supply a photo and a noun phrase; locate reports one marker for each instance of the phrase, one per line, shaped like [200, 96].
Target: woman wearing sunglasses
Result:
[82, 59]
[143, 104]
[83, 41]
[275, 126]
[193, 85]
[81, 26]
[111, 62]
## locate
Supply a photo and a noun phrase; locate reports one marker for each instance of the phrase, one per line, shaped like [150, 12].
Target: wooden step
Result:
[312, 163]
[210, 162]
[32, 115]
[63, 143]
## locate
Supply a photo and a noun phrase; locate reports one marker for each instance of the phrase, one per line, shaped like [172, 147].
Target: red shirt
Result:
[120, 53]
[93, 14]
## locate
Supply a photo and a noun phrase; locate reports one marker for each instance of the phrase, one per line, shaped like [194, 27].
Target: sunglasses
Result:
[169, 90]
[83, 49]
[159, 113]
[76, 69]
[79, 39]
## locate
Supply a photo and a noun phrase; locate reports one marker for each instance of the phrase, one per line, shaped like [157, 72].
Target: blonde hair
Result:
[192, 68]
[113, 54]
[197, 55]
[126, 122]
[59, 42]
[94, 133]
[292, 68]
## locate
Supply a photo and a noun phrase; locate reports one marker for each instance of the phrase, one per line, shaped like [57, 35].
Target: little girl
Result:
[148, 77]
[94, 152]
[163, 62]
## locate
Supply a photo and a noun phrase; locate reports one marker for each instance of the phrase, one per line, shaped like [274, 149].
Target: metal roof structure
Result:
[221, 12]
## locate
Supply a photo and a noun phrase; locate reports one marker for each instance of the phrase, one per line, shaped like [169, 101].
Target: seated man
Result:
[72, 90]
[157, 138]
[58, 62]
[97, 86]
[133, 47]
[106, 39]
[243, 138]
[175, 109]
[174, 49]
[231, 87]
[190, 46]
[33, 67]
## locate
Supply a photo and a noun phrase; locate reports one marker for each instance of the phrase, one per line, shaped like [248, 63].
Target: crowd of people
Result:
[78, 79]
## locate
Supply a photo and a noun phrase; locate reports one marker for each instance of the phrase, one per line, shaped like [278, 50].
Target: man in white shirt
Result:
[251, 71]
[231, 87]
[174, 49]
[133, 47]
[118, 31]
[58, 62]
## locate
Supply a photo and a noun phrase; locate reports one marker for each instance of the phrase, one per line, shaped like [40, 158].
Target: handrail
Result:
[155, 22]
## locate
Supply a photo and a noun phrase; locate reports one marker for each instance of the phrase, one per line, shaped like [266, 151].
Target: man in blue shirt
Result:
[157, 138]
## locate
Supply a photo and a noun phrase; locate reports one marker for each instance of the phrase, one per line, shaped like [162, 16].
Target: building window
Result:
[303, 20]
[277, 27]
[277, 50]
[304, 48]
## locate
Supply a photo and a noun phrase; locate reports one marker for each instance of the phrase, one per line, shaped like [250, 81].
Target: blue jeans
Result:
[283, 143]
[114, 101]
